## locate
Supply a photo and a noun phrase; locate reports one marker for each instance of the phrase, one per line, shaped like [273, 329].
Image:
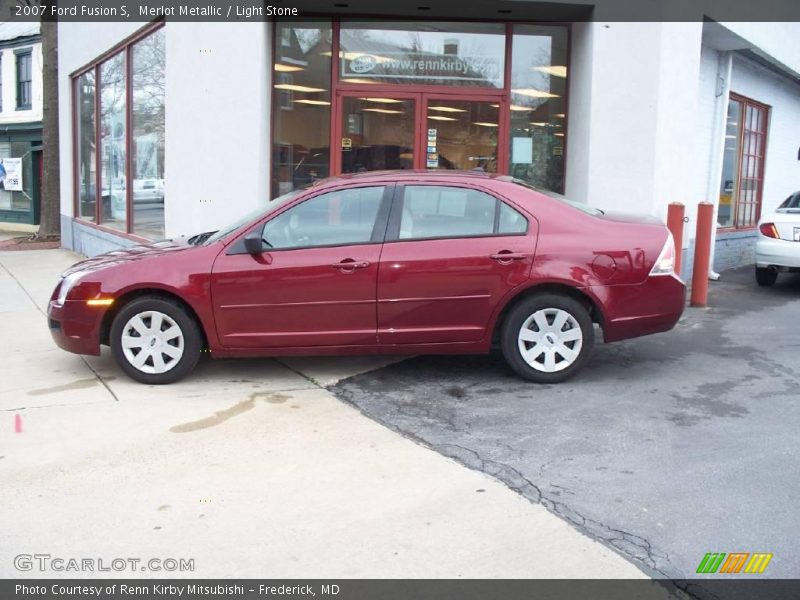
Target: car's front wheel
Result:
[155, 341]
[547, 338]
[766, 277]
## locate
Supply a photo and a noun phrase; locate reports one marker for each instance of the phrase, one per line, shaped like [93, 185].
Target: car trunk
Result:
[787, 222]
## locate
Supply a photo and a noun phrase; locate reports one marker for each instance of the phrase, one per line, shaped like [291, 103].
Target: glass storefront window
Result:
[147, 122]
[742, 161]
[87, 192]
[457, 54]
[140, 104]
[462, 135]
[301, 105]
[730, 165]
[378, 133]
[538, 105]
[112, 142]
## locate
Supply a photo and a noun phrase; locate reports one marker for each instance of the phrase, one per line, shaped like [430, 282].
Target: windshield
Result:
[561, 198]
[251, 216]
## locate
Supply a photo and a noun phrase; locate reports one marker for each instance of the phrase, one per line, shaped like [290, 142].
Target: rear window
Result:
[792, 202]
[561, 198]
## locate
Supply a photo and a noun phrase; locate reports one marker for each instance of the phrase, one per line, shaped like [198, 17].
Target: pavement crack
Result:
[100, 378]
[311, 380]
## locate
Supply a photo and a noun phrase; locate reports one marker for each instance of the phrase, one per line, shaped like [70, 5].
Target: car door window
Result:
[338, 218]
[434, 211]
[511, 221]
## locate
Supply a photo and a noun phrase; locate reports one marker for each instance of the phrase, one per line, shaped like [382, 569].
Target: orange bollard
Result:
[675, 211]
[702, 254]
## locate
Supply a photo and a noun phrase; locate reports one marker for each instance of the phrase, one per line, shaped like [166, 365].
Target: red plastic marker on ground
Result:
[17, 423]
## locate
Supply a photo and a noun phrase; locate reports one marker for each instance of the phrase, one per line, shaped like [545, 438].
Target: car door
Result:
[314, 283]
[451, 254]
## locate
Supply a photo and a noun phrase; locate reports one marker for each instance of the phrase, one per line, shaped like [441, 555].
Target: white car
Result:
[778, 245]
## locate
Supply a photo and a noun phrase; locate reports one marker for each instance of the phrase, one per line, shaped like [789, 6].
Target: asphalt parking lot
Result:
[665, 448]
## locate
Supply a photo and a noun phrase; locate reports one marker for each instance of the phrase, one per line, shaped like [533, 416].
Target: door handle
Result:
[349, 265]
[508, 256]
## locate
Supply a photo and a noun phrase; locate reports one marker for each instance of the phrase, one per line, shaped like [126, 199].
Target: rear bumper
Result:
[777, 253]
[641, 309]
[75, 327]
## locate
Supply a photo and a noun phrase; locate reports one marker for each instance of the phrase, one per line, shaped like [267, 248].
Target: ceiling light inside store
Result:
[559, 115]
[297, 88]
[441, 118]
[539, 124]
[520, 108]
[357, 80]
[484, 124]
[447, 109]
[559, 134]
[554, 70]
[286, 68]
[383, 100]
[384, 111]
[534, 93]
[313, 102]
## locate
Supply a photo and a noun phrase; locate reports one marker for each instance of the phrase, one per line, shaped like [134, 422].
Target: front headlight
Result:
[67, 284]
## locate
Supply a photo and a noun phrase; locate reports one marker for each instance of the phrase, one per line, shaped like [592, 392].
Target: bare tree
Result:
[50, 218]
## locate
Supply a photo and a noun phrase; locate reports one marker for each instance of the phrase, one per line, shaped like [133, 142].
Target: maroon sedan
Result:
[395, 262]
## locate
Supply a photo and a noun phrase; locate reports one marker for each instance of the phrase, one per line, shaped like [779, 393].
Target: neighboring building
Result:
[199, 123]
[20, 122]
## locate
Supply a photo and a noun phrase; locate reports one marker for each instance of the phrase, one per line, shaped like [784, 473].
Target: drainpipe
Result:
[721, 92]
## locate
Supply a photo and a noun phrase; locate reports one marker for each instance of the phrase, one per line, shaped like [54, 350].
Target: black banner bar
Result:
[394, 589]
[511, 10]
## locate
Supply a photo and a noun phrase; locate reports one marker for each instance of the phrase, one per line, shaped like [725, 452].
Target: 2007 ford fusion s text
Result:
[399, 262]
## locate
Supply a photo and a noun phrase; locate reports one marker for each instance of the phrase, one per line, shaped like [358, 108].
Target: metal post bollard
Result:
[702, 254]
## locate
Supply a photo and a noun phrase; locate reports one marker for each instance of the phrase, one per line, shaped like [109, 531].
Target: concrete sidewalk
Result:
[250, 467]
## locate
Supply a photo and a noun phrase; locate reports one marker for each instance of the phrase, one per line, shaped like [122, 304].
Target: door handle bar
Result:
[361, 264]
[508, 256]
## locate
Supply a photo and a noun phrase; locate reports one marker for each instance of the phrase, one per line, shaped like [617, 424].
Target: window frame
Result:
[340, 88]
[396, 215]
[19, 54]
[125, 47]
[740, 154]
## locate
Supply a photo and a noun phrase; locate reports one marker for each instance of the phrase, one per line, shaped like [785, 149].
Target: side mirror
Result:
[253, 243]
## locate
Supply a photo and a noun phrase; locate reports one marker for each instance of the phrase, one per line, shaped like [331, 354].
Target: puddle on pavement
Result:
[223, 415]
[78, 384]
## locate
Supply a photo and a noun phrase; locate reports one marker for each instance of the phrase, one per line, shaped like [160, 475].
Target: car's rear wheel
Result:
[547, 338]
[155, 341]
[766, 277]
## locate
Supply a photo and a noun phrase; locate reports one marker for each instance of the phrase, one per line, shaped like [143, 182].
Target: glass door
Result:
[377, 132]
[461, 134]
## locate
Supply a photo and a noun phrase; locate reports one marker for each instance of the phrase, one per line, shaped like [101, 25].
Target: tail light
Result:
[665, 263]
[769, 230]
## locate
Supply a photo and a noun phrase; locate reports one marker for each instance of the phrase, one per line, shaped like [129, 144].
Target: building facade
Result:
[20, 122]
[175, 128]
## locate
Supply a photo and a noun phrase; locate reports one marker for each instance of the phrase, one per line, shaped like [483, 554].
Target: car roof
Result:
[404, 174]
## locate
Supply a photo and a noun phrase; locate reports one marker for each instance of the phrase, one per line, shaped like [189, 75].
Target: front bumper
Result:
[777, 253]
[631, 311]
[75, 327]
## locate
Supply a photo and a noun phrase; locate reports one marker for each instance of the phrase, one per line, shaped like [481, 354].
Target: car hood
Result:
[141, 252]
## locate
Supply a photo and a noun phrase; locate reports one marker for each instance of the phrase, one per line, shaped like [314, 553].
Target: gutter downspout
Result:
[722, 93]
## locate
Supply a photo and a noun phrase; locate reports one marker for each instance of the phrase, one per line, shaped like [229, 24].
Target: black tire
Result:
[192, 340]
[766, 277]
[549, 304]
